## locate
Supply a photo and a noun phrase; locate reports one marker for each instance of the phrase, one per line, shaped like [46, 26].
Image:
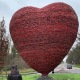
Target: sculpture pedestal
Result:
[45, 78]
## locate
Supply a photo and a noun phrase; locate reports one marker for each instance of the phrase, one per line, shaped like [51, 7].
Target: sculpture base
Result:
[45, 78]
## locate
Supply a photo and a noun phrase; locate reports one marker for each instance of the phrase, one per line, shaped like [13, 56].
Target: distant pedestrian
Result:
[53, 71]
[14, 75]
[14, 70]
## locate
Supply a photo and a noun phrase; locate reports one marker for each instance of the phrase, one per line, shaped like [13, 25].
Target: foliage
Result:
[70, 57]
[3, 44]
[74, 53]
[14, 51]
[44, 40]
[15, 59]
[78, 65]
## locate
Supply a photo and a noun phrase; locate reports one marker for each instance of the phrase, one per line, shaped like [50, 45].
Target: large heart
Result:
[43, 36]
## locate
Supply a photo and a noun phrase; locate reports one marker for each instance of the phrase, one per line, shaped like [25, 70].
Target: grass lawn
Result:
[78, 65]
[56, 76]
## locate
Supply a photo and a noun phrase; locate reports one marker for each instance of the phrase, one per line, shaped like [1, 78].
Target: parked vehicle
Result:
[69, 66]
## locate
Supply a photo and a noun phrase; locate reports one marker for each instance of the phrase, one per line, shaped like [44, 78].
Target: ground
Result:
[62, 68]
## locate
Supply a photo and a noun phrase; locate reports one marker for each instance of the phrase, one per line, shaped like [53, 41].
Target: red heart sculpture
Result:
[43, 36]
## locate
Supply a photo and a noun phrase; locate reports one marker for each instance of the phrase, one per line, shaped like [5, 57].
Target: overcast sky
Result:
[9, 7]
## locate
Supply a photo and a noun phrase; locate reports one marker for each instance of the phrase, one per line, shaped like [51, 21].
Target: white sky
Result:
[9, 7]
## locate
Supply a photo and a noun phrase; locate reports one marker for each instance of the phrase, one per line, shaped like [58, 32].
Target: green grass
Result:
[22, 71]
[77, 65]
[66, 76]
[56, 76]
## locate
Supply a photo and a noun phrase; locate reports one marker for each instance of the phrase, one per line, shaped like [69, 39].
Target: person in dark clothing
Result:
[14, 70]
[14, 75]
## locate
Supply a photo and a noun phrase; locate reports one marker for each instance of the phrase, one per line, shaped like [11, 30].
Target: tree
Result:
[14, 51]
[70, 57]
[3, 44]
[74, 53]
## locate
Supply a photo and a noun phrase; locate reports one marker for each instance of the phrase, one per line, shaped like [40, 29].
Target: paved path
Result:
[62, 68]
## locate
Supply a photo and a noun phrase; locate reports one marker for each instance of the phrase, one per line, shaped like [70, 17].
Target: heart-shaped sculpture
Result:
[43, 36]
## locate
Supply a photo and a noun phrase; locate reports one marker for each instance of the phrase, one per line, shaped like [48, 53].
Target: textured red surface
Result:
[43, 36]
